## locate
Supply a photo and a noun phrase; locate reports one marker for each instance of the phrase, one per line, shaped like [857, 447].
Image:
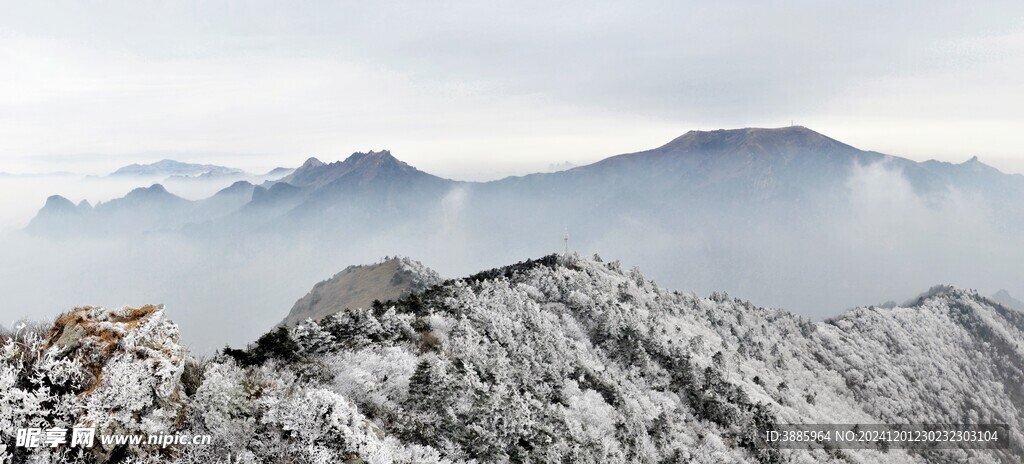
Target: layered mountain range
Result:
[786, 216]
[748, 169]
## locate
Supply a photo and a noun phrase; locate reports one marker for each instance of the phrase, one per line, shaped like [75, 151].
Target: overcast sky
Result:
[474, 89]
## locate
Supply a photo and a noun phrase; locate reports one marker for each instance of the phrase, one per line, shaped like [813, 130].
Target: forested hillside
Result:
[554, 360]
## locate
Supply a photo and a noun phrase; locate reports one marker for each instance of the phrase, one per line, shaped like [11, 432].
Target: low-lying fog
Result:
[881, 241]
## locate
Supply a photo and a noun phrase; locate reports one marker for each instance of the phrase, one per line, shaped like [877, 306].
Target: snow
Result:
[557, 360]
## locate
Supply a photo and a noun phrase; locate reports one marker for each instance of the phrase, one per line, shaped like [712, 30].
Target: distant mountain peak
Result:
[383, 154]
[242, 186]
[753, 139]
[1004, 298]
[372, 162]
[152, 190]
[975, 165]
[57, 203]
[169, 167]
[753, 131]
[53, 218]
[758, 130]
[154, 194]
[360, 166]
[365, 160]
[765, 159]
[283, 171]
[312, 162]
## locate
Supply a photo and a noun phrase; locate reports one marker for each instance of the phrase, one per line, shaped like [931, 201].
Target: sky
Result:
[477, 90]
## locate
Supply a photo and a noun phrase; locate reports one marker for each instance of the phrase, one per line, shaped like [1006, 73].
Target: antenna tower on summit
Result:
[566, 239]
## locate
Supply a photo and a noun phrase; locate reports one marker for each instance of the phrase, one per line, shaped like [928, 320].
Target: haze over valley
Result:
[651, 232]
[785, 217]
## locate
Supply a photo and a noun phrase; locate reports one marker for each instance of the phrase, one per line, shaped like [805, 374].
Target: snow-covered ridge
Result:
[553, 360]
[421, 275]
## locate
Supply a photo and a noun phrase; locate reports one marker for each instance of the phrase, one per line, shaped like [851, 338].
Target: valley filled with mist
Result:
[784, 217]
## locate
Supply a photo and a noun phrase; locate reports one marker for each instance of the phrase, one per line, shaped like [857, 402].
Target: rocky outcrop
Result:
[118, 371]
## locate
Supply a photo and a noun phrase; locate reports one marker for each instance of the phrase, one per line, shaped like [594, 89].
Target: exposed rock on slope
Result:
[553, 360]
[358, 286]
[116, 370]
[578, 361]
[124, 373]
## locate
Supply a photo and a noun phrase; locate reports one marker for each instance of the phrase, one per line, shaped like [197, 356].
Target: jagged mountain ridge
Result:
[373, 177]
[365, 188]
[785, 164]
[577, 360]
[365, 167]
[144, 209]
[769, 213]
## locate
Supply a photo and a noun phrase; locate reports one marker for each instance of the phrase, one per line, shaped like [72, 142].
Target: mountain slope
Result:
[553, 360]
[359, 286]
[767, 213]
[784, 171]
[575, 360]
[753, 167]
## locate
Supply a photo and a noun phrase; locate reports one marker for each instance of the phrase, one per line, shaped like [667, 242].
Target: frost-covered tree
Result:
[561, 359]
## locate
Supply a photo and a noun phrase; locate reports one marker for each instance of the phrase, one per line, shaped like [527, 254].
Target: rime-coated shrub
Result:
[560, 359]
